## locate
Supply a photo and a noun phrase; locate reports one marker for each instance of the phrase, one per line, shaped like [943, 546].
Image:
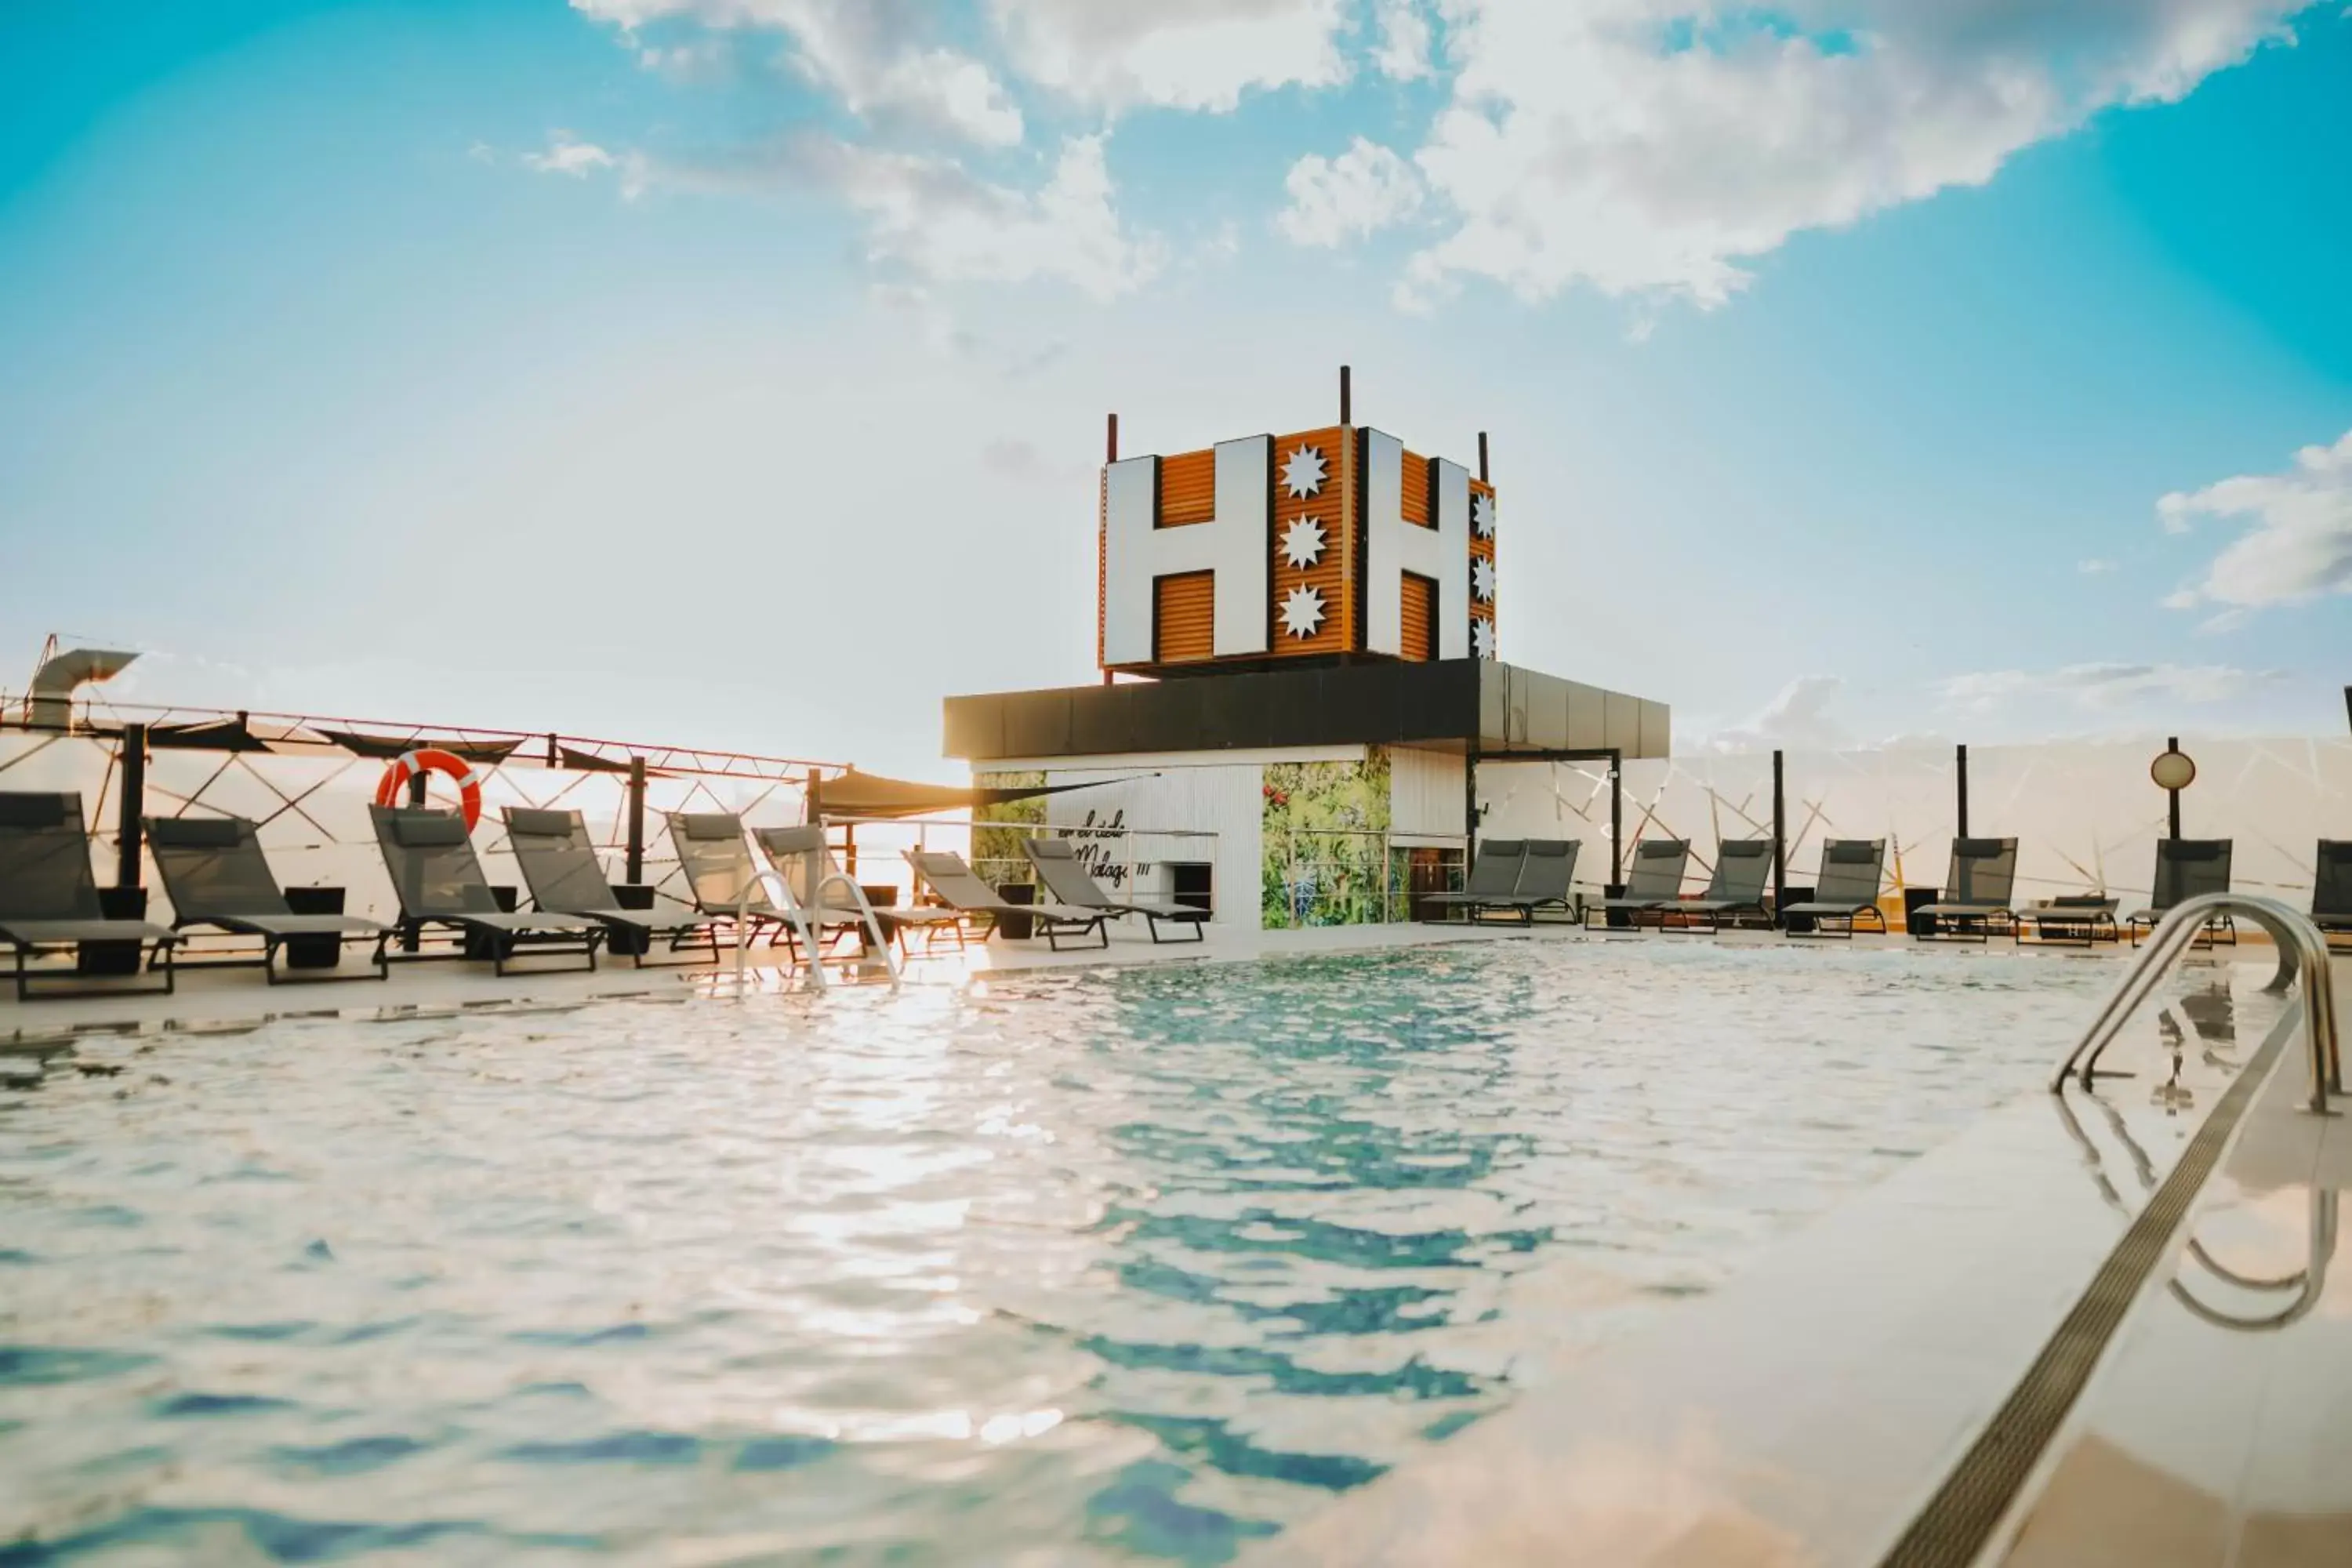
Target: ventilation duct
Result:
[50, 704]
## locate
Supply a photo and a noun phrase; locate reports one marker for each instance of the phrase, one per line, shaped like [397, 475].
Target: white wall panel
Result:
[1226, 799]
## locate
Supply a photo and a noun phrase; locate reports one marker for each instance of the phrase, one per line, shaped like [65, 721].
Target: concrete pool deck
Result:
[1806, 1412]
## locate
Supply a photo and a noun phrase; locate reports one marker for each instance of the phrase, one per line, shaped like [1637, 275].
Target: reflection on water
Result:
[1053, 1268]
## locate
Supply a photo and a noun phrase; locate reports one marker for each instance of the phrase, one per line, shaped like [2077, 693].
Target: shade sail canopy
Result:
[581, 761]
[870, 794]
[390, 746]
[212, 735]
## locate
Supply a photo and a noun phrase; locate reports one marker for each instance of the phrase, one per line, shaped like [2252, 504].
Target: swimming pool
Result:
[1105, 1264]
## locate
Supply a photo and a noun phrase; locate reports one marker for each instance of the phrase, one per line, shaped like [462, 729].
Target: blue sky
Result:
[682, 368]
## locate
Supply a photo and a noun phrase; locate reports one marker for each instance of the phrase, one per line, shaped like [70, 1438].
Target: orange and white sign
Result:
[1315, 543]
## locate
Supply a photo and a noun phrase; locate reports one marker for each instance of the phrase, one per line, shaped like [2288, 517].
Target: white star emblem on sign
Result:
[1482, 639]
[1302, 612]
[1302, 541]
[1302, 472]
[1482, 516]
[1481, 577]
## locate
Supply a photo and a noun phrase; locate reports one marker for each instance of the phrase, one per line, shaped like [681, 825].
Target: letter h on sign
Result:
[1236, 544]
[1394, 547]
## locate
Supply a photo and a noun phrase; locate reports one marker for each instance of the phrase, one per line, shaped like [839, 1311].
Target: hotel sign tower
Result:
[1332, 544]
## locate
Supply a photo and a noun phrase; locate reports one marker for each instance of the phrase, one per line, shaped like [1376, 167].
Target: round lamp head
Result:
[2172, 770]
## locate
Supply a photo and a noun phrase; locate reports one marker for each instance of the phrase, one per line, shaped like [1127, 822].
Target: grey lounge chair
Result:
[2184, 869]
[1545, 878]
[2080, 919]
[1494, 874]
[215, 874]
[1846, 890]
[1657, 879]
[951, 880]
[48, 899]
[1742, 866]
[826, 899]
[720, 875]
[560, 863]
[1066, 878]
[438, 880]
[2331, 888]
[1975, 899]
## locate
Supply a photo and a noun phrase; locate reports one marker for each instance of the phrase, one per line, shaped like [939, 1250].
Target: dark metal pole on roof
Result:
[2174, 802]
[1616, 814]
[1780, 838]
[1482, 459]
[637, 860]
[1111, 455]
[1347, 396]
[133, 803]
[553, 755]
[1469, 801]
[1961, 766]
[412, 935]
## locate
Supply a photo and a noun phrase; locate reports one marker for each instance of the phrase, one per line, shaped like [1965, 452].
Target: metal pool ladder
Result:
[2302, 957]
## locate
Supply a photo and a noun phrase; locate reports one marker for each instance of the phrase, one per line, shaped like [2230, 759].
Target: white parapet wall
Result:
[2084, 813]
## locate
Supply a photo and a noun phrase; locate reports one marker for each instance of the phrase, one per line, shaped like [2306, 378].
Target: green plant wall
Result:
[996, 851]
[1327, 858]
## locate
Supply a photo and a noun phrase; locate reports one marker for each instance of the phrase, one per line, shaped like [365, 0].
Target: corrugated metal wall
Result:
[1226, 799]
[1424, 793]
[1183, 616]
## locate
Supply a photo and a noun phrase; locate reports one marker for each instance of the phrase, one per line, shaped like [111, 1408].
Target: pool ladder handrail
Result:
[810, 929]
[2302, 957]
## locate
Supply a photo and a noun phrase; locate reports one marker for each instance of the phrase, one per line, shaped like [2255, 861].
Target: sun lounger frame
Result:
[179, 844]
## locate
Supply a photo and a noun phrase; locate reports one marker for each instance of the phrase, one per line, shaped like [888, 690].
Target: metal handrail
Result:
[806, 922]
[2302, 956]
[2309, 1283]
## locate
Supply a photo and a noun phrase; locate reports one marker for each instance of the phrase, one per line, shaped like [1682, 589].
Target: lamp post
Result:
[2173, 771]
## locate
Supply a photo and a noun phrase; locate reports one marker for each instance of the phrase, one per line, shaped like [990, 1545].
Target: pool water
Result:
[1111, 1265]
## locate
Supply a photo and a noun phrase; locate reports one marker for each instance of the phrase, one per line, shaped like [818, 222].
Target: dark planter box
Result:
[314, 951]
[1914, 921]
[1797, 922]
[477, 944]
[619, 940]
[113, 957]
[1016, 928]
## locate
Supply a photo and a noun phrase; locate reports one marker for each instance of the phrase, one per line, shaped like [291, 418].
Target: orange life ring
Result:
[392, 790]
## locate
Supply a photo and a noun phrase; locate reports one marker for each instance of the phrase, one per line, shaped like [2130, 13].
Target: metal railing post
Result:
[636, 855]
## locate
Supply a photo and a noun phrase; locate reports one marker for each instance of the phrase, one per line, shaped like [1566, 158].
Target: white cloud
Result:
[865, 52]
[1657, 146]
[931, 220]
[567, 155]
[1333, 200]
[1401, 51]
[2297, 543]
[2095, 567]
[2103, 686]
[1178, 54]
[1798, 717]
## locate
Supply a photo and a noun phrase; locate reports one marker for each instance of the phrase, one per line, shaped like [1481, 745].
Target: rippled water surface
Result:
[1079, 1266]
